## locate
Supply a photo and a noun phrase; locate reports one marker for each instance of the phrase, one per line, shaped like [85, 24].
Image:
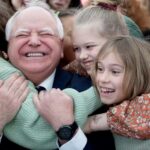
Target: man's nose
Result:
[34, 40]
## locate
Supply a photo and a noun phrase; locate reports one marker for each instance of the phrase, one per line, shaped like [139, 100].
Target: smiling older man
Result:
[35, 47]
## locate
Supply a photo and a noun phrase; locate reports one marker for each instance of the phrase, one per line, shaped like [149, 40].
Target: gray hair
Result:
[117, 2]
[39, 4]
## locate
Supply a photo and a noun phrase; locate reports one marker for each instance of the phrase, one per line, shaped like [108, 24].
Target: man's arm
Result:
[78, 142]
[28, 128]
[57, 108]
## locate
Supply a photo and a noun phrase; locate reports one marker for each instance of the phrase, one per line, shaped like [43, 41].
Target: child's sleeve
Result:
[131, 118]
[30, 130]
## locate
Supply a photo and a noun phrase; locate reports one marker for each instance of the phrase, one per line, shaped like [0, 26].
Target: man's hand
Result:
[96, 123]
[13, 92]
[56, 107]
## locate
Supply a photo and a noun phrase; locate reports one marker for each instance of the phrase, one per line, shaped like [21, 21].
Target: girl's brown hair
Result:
[135, 54]
[5, 13]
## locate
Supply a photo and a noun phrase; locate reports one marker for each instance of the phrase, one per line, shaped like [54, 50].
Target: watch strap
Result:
[66, 132]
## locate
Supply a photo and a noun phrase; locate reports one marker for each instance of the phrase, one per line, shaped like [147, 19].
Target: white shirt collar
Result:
[48, 83]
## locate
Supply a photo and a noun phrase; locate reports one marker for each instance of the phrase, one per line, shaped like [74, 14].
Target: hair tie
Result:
[107, 6]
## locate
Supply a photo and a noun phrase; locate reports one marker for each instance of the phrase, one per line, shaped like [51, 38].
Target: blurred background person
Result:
[58, 5]
[5, 13]
[85, 3]
[67, 16]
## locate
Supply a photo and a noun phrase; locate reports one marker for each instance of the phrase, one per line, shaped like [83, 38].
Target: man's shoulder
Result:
[64, 79]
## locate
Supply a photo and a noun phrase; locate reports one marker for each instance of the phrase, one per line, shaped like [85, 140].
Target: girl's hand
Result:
[96, 123]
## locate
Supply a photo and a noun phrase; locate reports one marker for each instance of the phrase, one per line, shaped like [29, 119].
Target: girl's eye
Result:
[115, 72]
[99, 69]
[90, 46]
[76, 49]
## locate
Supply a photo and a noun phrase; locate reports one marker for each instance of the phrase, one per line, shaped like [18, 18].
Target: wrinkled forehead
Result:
[35, 15]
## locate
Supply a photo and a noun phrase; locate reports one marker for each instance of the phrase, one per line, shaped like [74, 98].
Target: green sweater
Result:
[133, 28]
[29, 130]
[124, 143]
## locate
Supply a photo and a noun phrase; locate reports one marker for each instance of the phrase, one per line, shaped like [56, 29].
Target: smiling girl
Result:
[122, 72]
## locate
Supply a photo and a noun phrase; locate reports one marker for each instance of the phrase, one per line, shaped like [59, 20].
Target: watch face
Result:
[65, 133]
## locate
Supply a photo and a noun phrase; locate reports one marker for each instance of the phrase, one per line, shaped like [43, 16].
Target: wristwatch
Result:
[66, 132]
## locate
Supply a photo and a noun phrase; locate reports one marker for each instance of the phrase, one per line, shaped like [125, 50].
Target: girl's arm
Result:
[96, 123]
[28, 129]
[130, 118]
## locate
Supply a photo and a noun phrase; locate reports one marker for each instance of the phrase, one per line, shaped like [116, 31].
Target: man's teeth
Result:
[34, 54]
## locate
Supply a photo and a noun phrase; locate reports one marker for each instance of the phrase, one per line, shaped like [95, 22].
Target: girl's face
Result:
[19, 3]
[67, 22]
[87, 43]
[59, 4]
[109, 78]
[85, 3]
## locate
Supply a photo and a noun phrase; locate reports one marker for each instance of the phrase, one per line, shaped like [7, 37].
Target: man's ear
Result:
[4, 55]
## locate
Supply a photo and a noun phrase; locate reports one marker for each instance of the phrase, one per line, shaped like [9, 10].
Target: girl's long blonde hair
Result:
[108, 23]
